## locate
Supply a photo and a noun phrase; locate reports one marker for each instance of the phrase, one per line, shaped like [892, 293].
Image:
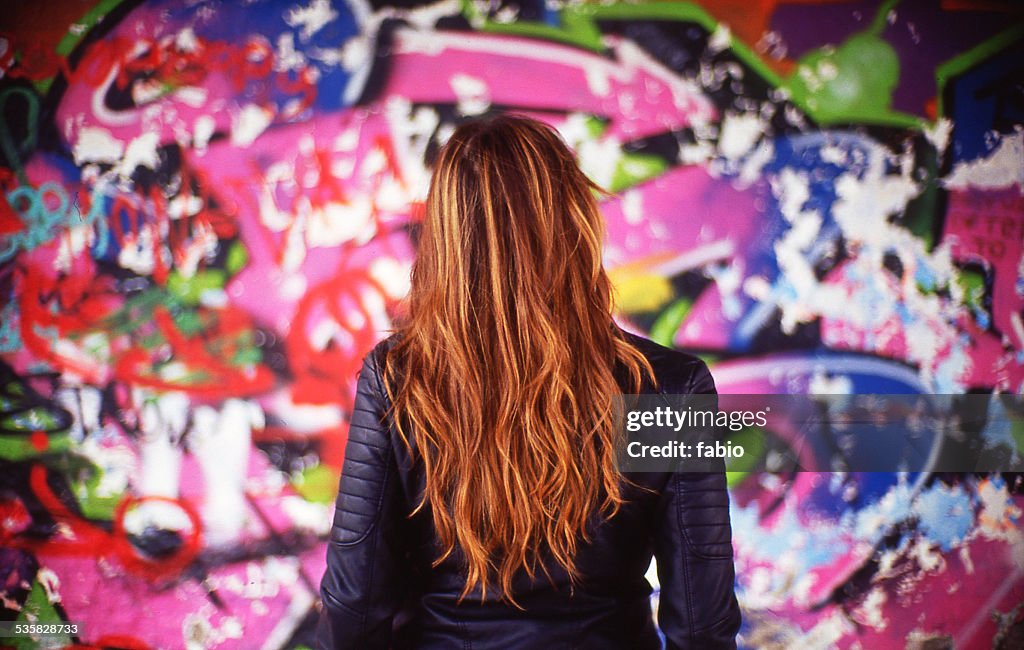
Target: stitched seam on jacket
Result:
[357, 461]
[341, 605]
[383, 492]
[385, 400]
[466, 643]
[373, 565]
[704, 555]
[686, 568]
[375, 516]
[384, 479]
[711, 625]
[692, 545]
[358, 410]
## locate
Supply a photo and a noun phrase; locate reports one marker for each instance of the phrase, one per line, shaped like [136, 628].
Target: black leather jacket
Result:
[380, 591]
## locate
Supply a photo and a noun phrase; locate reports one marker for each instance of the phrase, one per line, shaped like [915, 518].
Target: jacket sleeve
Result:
[697, 607]
[360, 589]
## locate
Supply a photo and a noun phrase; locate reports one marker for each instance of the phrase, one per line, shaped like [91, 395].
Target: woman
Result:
[480, 504]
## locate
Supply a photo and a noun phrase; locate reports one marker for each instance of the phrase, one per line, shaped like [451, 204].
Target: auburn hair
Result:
[506, 364]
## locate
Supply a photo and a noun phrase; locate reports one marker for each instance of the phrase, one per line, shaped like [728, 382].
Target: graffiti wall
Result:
[208, 218]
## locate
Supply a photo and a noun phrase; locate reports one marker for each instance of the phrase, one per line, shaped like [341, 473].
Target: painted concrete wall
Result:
[206, 222]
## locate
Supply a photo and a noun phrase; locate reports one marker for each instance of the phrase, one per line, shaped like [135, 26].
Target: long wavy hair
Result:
[508, 360]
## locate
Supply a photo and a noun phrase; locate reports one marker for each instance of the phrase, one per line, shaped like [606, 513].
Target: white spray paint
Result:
[141, 152]
[96, 144]
[286, 57]
[740, 132]
[83, 403]
[1002, 168]
[163, 419]
[249, 123]
[311, 18]
[221, 442]
[136, 252]
[474, 97]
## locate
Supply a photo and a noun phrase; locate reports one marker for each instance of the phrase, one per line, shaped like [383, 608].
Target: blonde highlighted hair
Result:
[506, 366]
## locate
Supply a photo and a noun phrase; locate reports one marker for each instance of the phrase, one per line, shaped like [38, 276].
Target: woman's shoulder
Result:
[375, 361]
[380, 350]
[676, 371]
[388, 342]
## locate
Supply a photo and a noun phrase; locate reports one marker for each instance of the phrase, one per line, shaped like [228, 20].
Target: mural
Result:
[208, 217]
